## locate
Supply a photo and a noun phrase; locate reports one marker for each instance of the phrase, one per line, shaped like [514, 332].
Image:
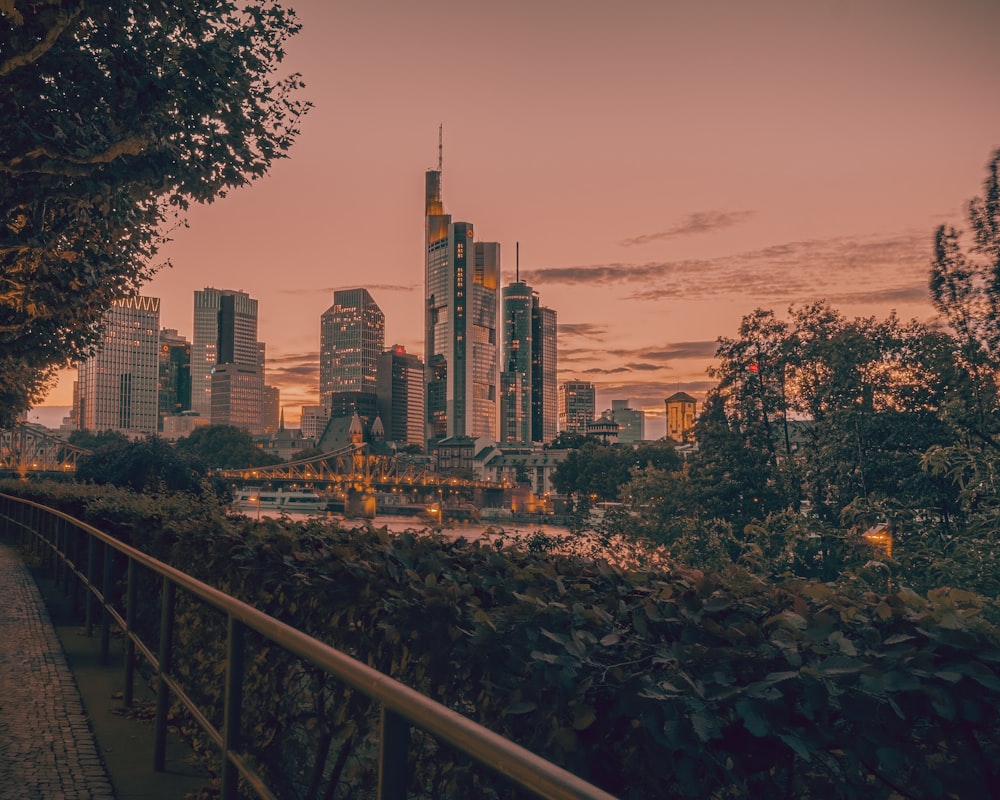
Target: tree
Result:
[114, 116]
[965, 289]
[147, 465]
[225, 447]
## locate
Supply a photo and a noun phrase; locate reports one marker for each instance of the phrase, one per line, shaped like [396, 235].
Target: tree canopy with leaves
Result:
[965, 289]
[114, 116]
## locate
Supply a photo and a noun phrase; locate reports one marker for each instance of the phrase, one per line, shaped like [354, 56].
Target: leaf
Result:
[796, 744]
[705, 724]
[840, 665]
[548, 658]
[610, 639]
[555, 637]
[753, 721]
[583, 717]
[523, 707]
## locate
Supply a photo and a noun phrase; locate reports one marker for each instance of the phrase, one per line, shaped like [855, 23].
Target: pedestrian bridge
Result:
[363, 479]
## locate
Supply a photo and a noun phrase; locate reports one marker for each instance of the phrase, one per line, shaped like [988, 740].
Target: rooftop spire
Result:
[440, 145]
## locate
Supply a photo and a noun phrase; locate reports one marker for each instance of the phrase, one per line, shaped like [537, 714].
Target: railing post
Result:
[233, 710]
[106, 584]
[78, 584]
[165, 657]
[129, 688]
[394, 746]
[89, 593]
[65, 556]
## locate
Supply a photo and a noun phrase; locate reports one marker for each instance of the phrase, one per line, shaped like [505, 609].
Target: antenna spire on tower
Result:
[517, 262]
[440, 145]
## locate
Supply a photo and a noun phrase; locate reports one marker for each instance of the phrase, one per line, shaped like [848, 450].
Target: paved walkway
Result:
[47, 748]
[52, 746]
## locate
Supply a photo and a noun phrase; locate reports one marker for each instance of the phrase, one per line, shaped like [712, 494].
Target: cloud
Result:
[297, 374]
[603, 371]
[696, 223]
[641, 367]
[589, 330]
[787, 272]
[643, 358]
[371, 287]
[678, 350]
[899, 294]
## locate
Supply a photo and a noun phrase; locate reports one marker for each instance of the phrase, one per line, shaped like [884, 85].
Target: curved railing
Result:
[83, 558]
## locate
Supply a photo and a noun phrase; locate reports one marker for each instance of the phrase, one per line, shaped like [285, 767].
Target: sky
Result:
[667, 167]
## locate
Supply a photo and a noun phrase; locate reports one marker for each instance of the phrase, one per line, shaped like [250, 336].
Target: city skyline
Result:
[665, 167]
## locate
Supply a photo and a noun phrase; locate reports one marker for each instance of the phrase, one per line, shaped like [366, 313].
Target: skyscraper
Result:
[352, 337]
[577, 406]
[225, 332]
[174, 374]
[528, 393]
[400, 391]
[631, 422]
[518, 361]
[544, 368]
[118, 387]
[462, 280]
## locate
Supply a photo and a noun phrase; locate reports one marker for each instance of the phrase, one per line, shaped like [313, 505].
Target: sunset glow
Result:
[665, 166]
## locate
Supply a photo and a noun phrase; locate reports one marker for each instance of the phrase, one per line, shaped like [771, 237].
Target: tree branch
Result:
[51, 163]
[63, 21]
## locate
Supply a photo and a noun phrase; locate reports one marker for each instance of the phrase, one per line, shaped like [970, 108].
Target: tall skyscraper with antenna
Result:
[528, 394]
[462, 287]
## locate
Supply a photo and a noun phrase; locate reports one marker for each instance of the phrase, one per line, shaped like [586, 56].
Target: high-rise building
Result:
[462, 282]
[681, 408]
[118, 387]
[516, 374]
[631, 422]
[400, 392]
[313, 420]
[270, 410]
[577, 406]
[544, 368]
[352, 337]
[174, 374]
[225, 332]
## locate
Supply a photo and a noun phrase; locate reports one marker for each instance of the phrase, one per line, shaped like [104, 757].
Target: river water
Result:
[399, 524]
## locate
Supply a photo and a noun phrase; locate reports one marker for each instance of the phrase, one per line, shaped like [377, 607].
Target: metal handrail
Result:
[402, 707]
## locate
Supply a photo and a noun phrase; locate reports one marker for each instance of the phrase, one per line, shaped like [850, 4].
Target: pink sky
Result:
[667, 167]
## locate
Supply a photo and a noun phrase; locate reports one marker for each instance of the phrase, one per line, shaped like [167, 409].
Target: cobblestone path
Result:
[47, 749]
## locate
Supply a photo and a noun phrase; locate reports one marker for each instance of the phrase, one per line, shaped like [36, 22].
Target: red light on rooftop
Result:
[754, 368]
[399, 350]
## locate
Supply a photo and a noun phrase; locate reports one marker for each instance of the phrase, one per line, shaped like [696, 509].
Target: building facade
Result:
[400, 392]
[544, 369]
[118, 387]
[352, 337]
[462, 280]
[577, 406]
[225, 332]
[313, 420]
[174, 374]
[516, 375]
[631, 422]
[681, 412]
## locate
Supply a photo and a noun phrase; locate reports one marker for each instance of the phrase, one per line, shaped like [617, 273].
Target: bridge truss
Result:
[29, 448]
[353, 465]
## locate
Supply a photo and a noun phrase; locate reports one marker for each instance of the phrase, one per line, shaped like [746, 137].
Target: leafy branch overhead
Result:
[114, 117]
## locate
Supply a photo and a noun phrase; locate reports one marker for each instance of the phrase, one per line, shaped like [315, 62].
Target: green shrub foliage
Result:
[668, 682]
